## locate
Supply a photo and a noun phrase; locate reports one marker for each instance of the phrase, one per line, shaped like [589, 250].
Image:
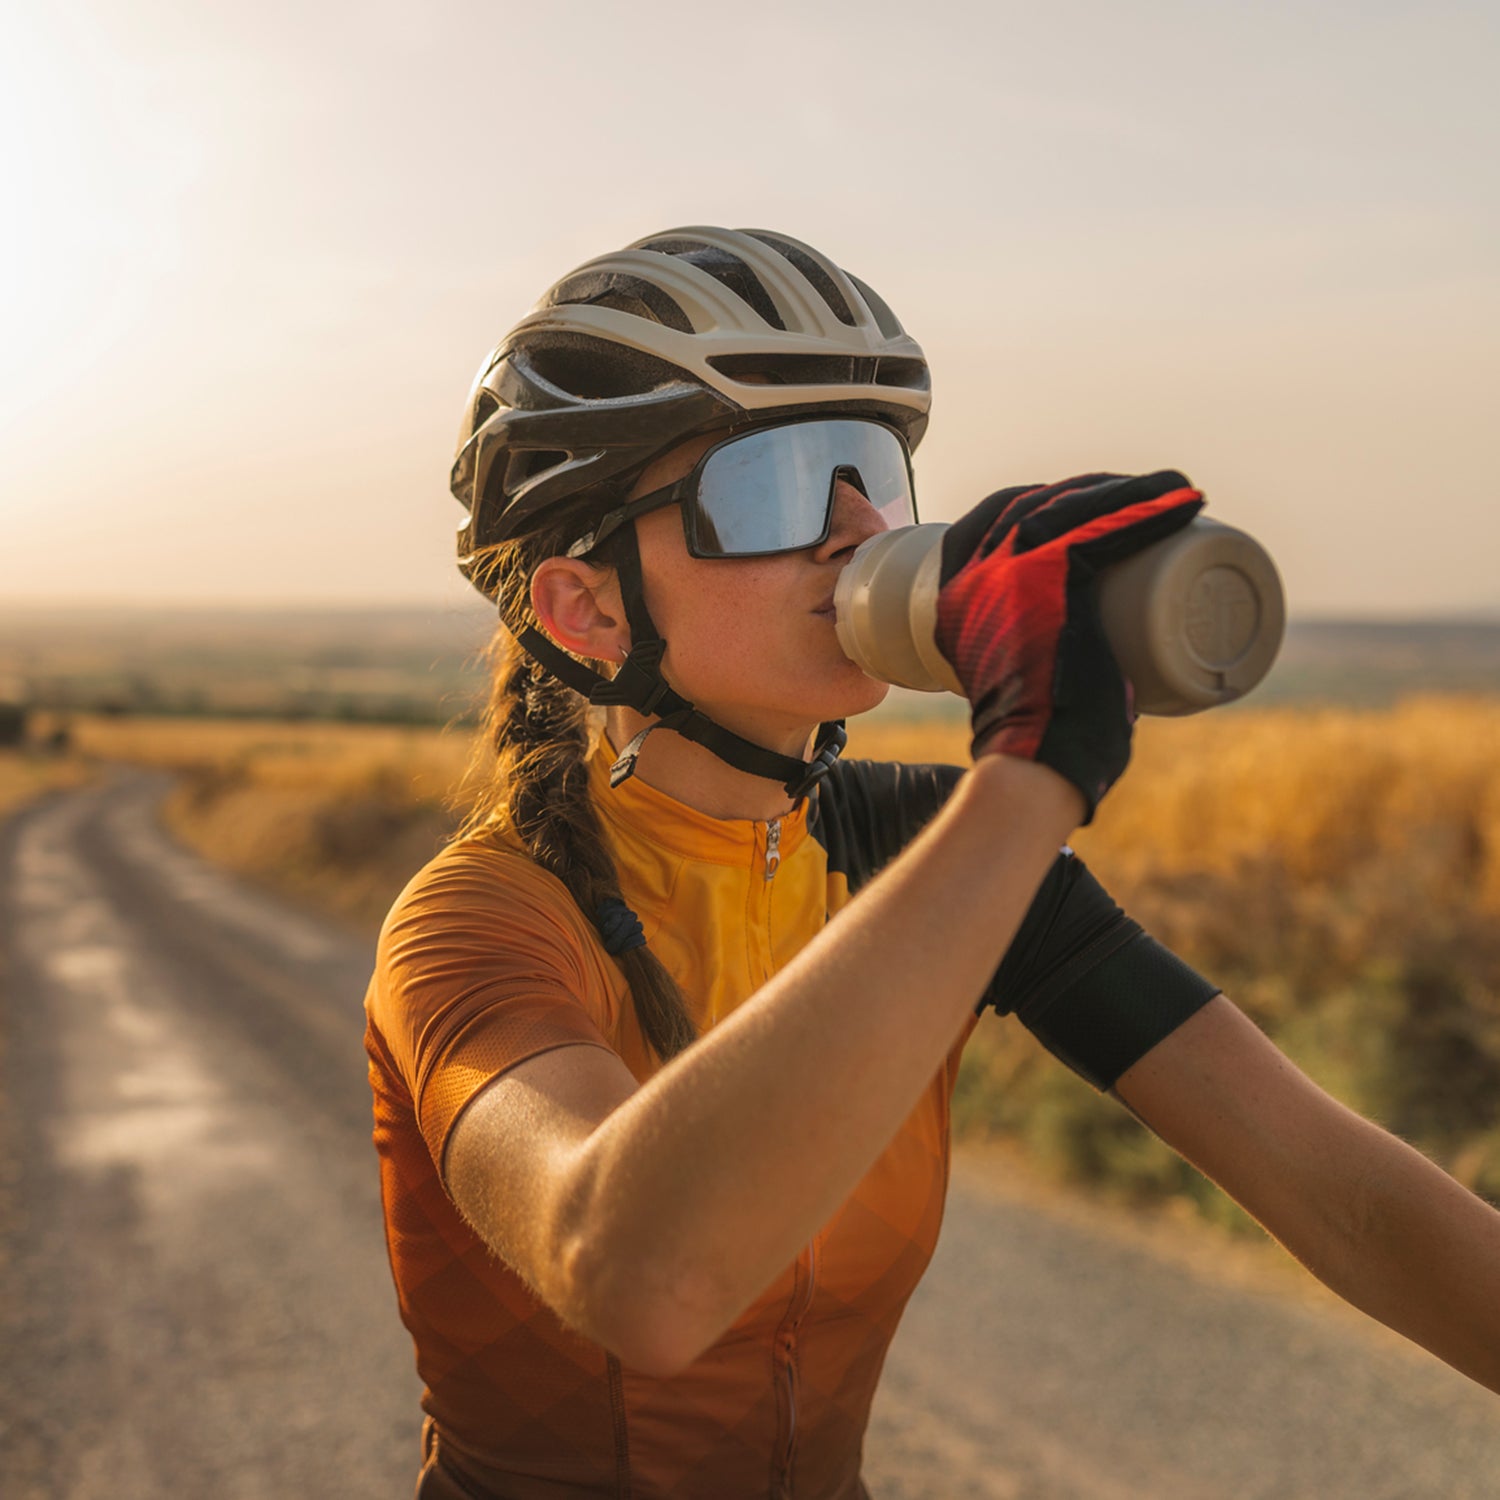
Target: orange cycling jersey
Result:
[485, 960]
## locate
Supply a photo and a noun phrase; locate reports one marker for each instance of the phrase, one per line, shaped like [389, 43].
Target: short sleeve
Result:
[1094, 989]
[1087, 982]
[484, 962]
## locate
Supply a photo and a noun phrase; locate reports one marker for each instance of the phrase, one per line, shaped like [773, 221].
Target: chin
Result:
[838, 691]
[875, 693]
[858, 694]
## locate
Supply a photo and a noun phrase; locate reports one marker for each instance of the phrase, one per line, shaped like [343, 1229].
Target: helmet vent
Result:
[885, 319]
[527, 464]
[909, 374]
[593, 370]
[801, 369]
[626, 294]
[725, 268]
[823, 369]
[485, 406]
[822, 282]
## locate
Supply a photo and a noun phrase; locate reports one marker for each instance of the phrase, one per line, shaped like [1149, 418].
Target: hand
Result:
[1018, 620]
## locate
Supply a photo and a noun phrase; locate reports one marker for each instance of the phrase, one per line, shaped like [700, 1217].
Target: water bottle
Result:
[1195, 620]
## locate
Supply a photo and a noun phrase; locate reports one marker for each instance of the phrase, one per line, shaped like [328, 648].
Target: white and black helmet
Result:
[690, 331]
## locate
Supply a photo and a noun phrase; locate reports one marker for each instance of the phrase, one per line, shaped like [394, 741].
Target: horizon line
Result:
[1477, 615]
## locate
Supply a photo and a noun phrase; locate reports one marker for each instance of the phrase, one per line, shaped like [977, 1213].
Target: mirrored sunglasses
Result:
[772, 489]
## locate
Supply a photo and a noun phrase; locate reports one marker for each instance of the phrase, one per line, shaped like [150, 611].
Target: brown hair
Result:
[529, 775]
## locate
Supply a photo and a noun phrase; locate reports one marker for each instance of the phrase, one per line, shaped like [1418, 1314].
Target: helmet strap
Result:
[639, 684]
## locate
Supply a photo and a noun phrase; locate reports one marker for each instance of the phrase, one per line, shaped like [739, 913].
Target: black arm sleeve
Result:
[1089, 984]
[1092, 987]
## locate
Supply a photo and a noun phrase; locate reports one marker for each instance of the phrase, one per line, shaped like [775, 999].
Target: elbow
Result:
[639, 1312]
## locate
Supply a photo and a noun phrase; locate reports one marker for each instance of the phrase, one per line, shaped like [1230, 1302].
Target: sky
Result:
[251, 257]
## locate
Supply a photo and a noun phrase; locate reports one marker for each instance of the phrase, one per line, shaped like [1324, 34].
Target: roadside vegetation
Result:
[1338, 874]
[336, 816]
[1337, 871]
[25, 774]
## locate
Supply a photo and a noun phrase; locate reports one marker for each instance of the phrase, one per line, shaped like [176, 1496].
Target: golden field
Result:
[338, 816]
[25, 776]
[1337, 871]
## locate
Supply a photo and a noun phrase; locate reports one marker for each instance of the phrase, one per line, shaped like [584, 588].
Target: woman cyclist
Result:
[662, 1112]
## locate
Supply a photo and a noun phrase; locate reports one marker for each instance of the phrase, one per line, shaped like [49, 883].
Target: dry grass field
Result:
[1338, 873]
[338, 816]
[1336, 870]
[25, 775]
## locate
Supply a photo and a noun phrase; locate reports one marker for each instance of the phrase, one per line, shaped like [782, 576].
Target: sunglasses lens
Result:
[772, 490]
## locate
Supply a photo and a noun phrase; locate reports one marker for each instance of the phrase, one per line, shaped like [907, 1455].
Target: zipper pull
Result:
[773, 847]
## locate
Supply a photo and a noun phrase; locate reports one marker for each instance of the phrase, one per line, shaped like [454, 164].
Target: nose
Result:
[854, 521]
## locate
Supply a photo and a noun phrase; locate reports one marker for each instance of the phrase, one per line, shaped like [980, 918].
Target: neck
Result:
[697, 777]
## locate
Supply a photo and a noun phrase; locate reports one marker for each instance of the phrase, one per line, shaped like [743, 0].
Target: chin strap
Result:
[639, 685]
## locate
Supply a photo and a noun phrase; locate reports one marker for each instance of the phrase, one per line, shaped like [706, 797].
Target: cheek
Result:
[748, 638]
[689, 596]
[745, 632]
[714, 621]
[725, 621]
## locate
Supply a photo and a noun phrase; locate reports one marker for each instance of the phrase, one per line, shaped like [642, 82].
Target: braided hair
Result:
[529, 775]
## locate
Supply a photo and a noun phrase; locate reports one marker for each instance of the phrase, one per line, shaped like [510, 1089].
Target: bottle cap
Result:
[1195, 620]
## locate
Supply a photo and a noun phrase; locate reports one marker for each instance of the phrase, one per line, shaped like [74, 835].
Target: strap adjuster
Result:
[639, 683]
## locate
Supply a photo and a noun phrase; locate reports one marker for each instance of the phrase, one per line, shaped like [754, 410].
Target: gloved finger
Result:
[964, 538]
[984, 529]
[1148, 525]
[1081, 508]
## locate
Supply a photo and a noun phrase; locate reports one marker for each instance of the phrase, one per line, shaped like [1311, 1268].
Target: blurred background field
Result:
[27, 775]
[420, 666]
[1328, 852]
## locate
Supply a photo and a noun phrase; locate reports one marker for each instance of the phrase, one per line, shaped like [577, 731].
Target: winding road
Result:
[196, 1301]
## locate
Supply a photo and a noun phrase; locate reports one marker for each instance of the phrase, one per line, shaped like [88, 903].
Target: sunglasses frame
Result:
[684, 490]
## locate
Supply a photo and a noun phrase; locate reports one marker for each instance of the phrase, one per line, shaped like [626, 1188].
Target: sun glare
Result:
[89, 228]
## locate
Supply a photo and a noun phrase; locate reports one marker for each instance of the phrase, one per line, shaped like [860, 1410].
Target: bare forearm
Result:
[1372, 1218]
[1426, 1261]
[707, 1181]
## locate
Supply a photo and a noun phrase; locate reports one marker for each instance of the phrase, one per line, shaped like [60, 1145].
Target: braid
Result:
[530, 773]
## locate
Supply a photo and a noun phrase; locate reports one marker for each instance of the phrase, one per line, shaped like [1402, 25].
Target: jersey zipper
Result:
[802, 1295]
[765, 860]
[786, 1353]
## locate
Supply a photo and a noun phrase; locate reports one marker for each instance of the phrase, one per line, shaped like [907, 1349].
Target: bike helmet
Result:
[690, 331]
[633, 352]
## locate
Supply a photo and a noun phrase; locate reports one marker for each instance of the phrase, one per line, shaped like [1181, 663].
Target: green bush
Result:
[1392, 1008]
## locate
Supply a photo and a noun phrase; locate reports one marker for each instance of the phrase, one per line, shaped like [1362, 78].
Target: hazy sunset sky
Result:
[252, 256]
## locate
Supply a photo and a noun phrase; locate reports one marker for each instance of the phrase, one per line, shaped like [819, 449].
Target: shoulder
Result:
[888, 784]
[865, 812]
[473, 882]
[481, 913]
[484, 960]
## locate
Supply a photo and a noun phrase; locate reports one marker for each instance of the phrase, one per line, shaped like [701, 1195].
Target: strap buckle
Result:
[639, 683]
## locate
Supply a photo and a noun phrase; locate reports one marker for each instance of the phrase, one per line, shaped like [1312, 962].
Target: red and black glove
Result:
[1018, 619]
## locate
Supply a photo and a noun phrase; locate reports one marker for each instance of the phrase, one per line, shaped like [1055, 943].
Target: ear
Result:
[580, 607]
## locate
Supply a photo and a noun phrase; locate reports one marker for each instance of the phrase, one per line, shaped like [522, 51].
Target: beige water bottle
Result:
[1193, 621]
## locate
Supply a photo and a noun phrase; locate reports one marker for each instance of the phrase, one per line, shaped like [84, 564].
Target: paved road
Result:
[196, 1301]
